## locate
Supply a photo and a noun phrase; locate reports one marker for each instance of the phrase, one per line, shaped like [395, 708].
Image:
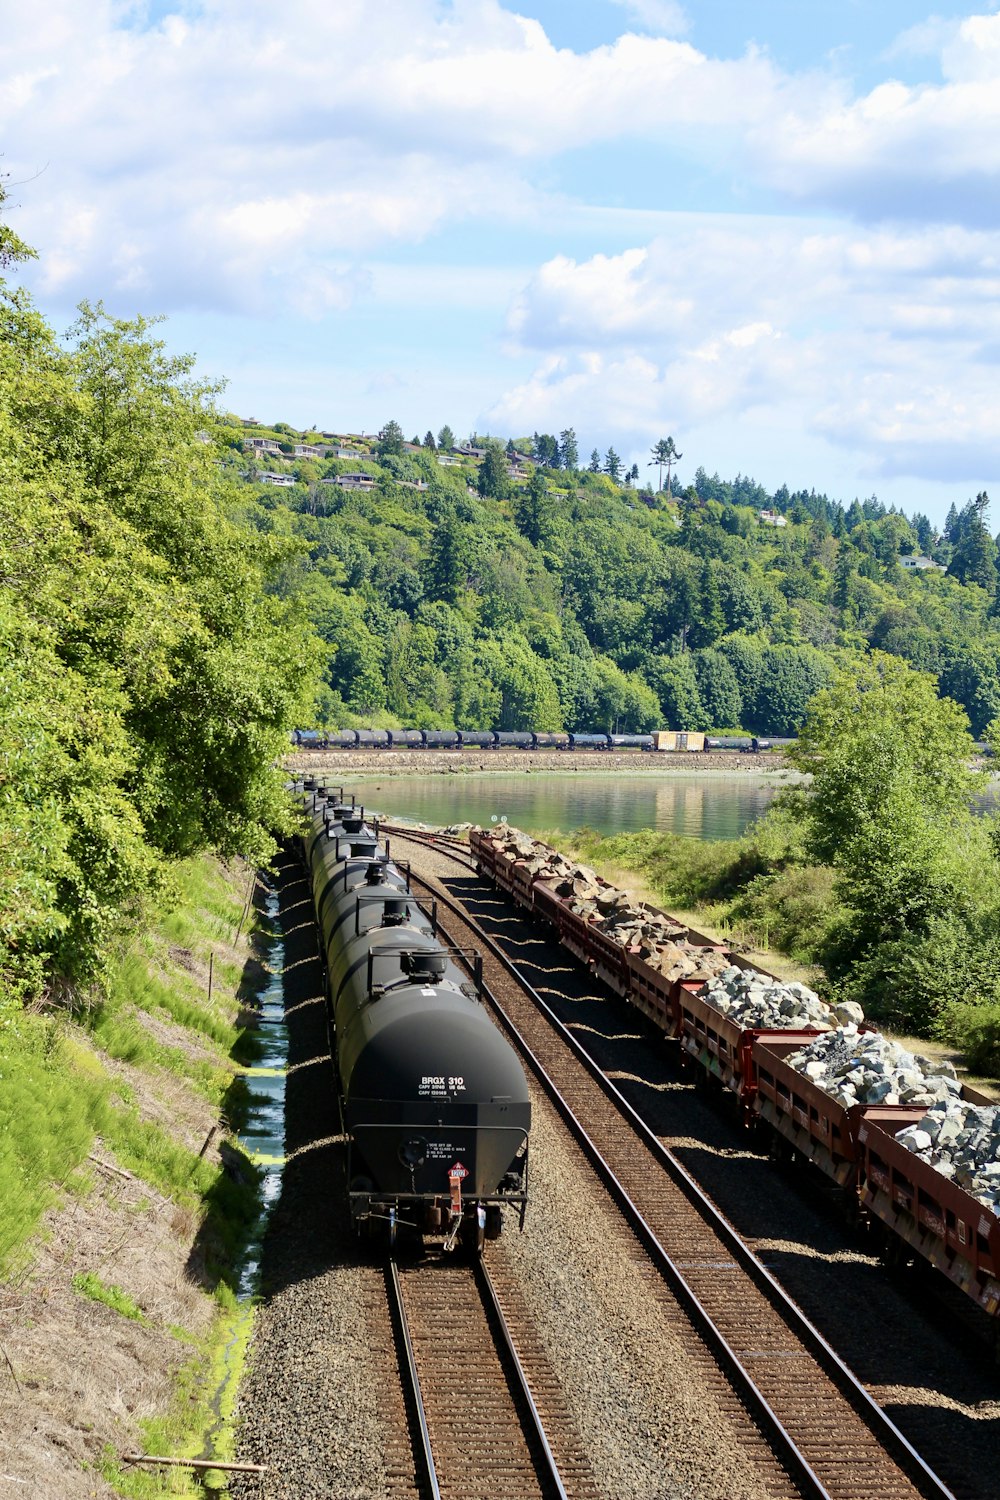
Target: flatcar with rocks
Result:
[909, 1151]
[434, 1100]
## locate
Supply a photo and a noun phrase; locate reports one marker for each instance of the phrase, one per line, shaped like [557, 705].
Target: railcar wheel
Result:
[473, 1234]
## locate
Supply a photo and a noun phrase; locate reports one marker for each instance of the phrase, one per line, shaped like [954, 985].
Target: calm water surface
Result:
[703, 806]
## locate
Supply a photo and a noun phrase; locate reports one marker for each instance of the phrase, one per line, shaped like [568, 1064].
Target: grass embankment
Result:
[125, 1210]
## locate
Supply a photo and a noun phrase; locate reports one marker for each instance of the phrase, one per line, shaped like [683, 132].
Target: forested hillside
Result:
[502, 589]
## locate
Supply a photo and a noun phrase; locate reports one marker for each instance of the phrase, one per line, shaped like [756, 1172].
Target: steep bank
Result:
[127, 1204]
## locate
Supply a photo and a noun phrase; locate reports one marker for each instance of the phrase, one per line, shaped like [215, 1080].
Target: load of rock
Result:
[962, 1142]
[756, 1001]
[634, 925]
[865, 1067]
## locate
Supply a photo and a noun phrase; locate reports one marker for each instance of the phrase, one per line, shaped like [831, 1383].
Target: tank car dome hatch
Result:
[395, 912]
[424, 966]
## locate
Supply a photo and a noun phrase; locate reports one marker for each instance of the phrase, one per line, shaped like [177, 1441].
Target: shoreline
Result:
[484, 763]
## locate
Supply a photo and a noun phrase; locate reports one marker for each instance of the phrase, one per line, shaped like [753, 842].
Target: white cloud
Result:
[841, 334]
[662, 16]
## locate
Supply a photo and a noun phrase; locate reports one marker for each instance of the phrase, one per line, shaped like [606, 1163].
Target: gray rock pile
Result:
[865, 1067]
[962, 1142]
[634, 925]
[756, 1001]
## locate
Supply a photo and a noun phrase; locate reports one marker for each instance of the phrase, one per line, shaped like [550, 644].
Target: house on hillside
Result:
[352, 481]
[771, 518]
[920, 565]
[284, 480]
[306, 450]
[449, 461]
[260, 445]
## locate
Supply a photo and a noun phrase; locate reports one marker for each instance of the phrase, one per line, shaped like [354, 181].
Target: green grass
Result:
[89, 1284]
[50, 1113]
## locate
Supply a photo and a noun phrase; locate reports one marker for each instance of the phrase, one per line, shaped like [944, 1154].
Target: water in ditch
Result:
[262, 1138]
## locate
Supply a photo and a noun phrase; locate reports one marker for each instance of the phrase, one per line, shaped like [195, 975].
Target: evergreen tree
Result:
[493, 481]
[533, 510]
[569, 455]
[594, 467]
[429, 440]
[446, 438]
[444, 574]
[710, 621]
[974, 559]
[665, 455]
[612, 465]
[390, 440]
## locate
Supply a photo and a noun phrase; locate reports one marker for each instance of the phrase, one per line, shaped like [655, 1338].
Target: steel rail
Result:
[882, 1426]
[413, 1379]
[550, 1480]
[488, 1291]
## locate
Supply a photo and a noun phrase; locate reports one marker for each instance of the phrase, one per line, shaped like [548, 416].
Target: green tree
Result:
[569, 455]
[390, 440]
[444, 574]
[718, 690]
[429, 440]
[594, 467]
[493, 481]
[665, 456]
[888, 808]
[533, 511]
[675, 682]
[612, 465]
[446, 439]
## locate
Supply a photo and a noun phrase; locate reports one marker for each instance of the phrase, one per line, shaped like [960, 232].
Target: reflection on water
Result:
[701, 805]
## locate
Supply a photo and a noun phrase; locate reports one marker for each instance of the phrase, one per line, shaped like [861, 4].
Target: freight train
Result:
[914, 1210]
[433, 1100]
[521, 739]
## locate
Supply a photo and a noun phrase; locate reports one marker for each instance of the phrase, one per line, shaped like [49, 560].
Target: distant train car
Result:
[441, 739]
[630, 741]
[514, 739]
[550, 740]
[483, 738]
[678, 740]
[309, 739]
[404, 739]
[373, 739]
[589, 741]
[729, 742]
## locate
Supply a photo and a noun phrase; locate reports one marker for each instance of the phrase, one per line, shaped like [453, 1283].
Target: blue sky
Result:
[770, 230]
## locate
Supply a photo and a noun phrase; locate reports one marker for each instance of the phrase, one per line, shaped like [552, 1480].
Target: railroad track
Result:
[483, 1409]
[826, 1431]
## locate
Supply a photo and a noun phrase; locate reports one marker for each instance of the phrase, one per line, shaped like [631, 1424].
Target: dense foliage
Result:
[878, 869]
[148, 672]
[494, 586]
